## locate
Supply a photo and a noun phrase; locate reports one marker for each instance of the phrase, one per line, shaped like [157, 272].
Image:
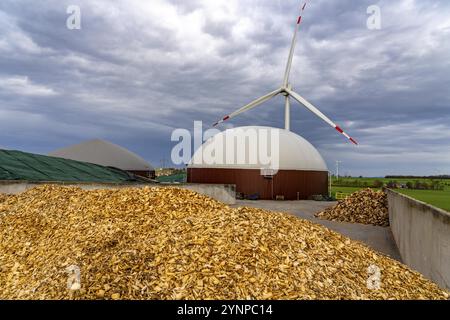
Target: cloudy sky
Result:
[138, 69]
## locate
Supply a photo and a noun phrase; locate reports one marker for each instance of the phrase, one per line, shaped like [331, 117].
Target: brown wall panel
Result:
[287, 183]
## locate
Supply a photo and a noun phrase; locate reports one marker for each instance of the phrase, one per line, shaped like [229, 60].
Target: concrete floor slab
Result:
[377, 238]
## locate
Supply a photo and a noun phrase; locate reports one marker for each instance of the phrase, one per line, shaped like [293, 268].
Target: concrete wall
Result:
[422, 234]
[223, 193]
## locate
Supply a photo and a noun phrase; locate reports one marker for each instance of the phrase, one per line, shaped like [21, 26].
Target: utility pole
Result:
[329, 184]
[337, 170]
[163, 163]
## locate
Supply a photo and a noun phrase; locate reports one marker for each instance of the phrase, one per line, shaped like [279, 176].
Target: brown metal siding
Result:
[285, 183]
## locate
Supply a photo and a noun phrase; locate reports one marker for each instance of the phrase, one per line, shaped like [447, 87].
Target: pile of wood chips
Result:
[366, 207]
[168, 243]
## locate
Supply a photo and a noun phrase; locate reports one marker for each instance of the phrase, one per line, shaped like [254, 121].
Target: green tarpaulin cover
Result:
[16, 165]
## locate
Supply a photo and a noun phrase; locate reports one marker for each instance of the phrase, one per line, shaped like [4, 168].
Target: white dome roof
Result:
[104, 153]
[294, 152]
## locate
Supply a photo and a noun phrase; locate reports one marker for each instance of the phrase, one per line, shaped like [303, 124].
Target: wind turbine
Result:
[287, 91]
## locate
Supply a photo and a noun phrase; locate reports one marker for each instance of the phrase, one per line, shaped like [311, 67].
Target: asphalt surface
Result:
[377, 238]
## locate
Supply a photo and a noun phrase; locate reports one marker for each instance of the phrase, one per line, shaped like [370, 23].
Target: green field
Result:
[440, 199]
[437, 198]
[336, 189]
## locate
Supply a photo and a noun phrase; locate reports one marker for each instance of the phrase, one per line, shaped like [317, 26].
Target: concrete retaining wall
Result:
[223, 193]
[422, 234]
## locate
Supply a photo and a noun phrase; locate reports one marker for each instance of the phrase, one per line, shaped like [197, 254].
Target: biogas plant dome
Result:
[257, 147]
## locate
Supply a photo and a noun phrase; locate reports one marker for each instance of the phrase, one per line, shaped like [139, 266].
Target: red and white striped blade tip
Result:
[299, 20]
[220, 121]
[346, 135]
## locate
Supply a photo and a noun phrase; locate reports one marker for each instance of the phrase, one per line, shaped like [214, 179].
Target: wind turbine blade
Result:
[287, 113]
[317, 112]
[250, 106]
[292, 50]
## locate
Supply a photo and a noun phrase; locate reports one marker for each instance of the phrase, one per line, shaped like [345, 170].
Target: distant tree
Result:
[378, 184]
[409, 185]
[421, 185]
[392, 184]
[436, 185]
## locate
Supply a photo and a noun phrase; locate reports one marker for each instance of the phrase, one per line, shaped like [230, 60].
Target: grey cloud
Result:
[139, 69]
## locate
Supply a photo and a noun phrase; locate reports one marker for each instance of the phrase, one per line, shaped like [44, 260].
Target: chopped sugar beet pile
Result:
[168, 243]
[366, 207]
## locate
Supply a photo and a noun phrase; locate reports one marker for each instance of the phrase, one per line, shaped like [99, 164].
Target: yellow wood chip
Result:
[169, 243]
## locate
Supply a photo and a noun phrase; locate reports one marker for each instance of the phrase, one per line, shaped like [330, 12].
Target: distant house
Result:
[107, 154]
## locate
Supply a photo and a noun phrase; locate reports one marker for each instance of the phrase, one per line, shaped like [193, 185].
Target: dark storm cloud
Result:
[139, 69]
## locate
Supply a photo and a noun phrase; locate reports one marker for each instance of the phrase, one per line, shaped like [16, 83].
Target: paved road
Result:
[378, 238]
